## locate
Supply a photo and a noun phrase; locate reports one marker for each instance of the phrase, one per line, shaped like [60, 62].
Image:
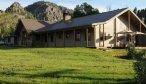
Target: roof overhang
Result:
[126, 10]
[94, 24]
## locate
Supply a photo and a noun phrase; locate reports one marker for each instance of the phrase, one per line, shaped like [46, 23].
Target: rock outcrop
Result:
[15, 8]
[47, 11]
[18, 11]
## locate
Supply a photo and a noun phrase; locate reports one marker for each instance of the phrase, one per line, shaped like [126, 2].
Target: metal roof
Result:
[33, 25]
[42, 26]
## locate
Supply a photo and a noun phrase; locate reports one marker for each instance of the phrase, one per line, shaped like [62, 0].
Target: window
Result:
[52, 38]
[59, 35]
[102, 36]
[37, 37]
[89, 36]
[45, 38]
[78, 36]
[9, 39]
[67, 35]
[85, 36]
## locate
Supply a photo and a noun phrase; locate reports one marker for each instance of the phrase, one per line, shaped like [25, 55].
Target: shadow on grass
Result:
[14, 82]
[21, 47]
[105, 80]
[16, 47]
[124, 57]
[60, 74]
[57, 74]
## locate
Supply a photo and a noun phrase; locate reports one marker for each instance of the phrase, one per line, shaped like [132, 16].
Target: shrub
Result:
[140, 68]
[131, 50]
[139, 65]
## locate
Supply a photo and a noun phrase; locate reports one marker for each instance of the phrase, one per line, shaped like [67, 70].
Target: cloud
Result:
[101, 8]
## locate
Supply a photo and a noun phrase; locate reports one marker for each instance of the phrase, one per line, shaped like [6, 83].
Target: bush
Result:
[131, 50]
[140, 68]
[139, 65]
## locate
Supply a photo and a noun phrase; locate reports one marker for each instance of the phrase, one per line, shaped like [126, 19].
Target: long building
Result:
[108, 29]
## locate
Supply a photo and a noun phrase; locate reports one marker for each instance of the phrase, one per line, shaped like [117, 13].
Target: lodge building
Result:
[108, 29]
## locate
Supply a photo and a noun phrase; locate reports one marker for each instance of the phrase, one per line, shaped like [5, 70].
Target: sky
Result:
[100, 4]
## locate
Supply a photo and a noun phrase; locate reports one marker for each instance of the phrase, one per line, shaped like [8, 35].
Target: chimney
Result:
[67, 18]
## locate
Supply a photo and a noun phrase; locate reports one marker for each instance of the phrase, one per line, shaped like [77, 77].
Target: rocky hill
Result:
[39, 10]
[9, 18]
[18, 11]
[16, 8]
[47, 11]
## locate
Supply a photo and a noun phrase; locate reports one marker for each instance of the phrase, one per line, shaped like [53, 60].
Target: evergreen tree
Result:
[141, 14]
[84, 10]
[135, 10]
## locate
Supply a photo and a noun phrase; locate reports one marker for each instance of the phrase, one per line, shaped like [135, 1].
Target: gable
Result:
[102, 18]
[33, 25]
[19, 27]
[84, 21]
[133, 18]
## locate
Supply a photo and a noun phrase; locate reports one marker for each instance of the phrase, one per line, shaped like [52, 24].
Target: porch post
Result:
[129, 22]
[87, 37]
[26, 40]
[103, 36]
[63, 38]
[95, 37]
[74, 37]
[115, 31]
[40, 39]
[47, 40]
[99, 35]
[54, 39]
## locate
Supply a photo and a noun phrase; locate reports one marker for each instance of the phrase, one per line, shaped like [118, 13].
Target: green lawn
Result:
[64, 65]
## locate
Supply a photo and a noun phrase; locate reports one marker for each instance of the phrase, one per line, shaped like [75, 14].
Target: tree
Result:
[84, 10]
[141, 14]
[135, 10]
[7, 24]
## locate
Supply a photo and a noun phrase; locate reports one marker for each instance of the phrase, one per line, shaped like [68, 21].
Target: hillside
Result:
[9, 18]
[64, 66]
[18, 11]
[47, 11]
[39, 10]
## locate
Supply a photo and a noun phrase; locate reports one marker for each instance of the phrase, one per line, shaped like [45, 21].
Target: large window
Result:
[46, 38]
[78, 36]
[68, 35]
[102, 36]
[85, 36]
[52, 38]
[59, 35]
[89, 35]
[37, 37]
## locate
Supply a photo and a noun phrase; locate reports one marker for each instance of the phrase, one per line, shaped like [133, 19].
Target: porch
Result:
[73, 37]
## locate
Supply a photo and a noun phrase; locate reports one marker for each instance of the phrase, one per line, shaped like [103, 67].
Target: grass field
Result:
[64, 65]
